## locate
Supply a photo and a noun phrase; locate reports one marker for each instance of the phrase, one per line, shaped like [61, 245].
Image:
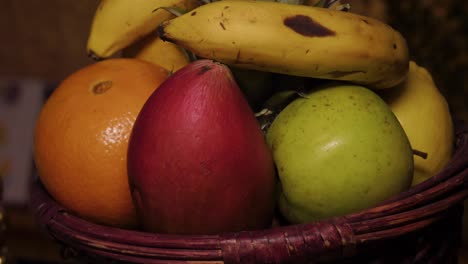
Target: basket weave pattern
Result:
[421, 225]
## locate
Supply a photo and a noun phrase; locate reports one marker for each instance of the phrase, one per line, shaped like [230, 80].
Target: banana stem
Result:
[175, 11]
[345, 7]
[94, 56]
[420, 153]
[330, 3]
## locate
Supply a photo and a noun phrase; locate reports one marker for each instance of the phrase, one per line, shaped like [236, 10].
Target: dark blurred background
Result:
[436, 32]
[44, 41]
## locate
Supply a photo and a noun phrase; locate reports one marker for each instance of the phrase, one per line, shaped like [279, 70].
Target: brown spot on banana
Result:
[306, 26]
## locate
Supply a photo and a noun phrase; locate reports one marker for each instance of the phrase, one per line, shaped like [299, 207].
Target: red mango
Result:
[197, 159]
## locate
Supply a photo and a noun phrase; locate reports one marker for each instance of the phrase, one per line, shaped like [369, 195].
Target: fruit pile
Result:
[238, 115]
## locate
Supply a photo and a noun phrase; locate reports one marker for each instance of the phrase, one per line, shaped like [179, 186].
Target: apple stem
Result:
[420, 153]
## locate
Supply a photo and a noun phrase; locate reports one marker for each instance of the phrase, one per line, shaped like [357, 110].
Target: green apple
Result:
[338, 150]
[425, 116]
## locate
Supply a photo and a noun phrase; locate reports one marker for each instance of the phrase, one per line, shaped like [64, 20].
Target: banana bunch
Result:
[295, 40]
[118, 24]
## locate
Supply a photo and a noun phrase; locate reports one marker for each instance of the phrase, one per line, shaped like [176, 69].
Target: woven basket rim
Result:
[412, 210]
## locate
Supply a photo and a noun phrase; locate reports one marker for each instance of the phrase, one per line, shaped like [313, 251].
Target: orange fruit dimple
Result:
[82, 133]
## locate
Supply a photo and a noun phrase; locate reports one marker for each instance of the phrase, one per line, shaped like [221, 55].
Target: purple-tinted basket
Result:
[421, 225]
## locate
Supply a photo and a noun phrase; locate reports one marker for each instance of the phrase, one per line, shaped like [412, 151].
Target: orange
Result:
[81, 138]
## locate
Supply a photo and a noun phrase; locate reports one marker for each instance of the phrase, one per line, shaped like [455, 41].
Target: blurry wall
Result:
[44, 39]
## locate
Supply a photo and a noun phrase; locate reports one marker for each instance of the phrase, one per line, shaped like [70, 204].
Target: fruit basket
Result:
[420, 225]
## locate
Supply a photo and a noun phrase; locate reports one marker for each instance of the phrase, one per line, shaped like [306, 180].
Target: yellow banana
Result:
[118, 23]
[425, 116]
[153, 49]
[293, 39]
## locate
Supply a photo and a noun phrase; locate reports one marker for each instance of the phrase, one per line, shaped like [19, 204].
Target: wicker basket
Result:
[421, 225]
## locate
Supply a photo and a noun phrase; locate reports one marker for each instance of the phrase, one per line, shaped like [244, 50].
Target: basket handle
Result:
[40, 204]
[304, 243]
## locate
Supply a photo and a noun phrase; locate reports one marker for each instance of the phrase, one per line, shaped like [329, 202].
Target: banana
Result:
[118, 23]
[153, 49]
[293, 39]
[425, 116]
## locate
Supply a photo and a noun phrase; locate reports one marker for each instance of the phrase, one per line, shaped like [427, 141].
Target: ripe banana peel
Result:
[153, 49]
[293, 39]
[425, 115]
[119, 23]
